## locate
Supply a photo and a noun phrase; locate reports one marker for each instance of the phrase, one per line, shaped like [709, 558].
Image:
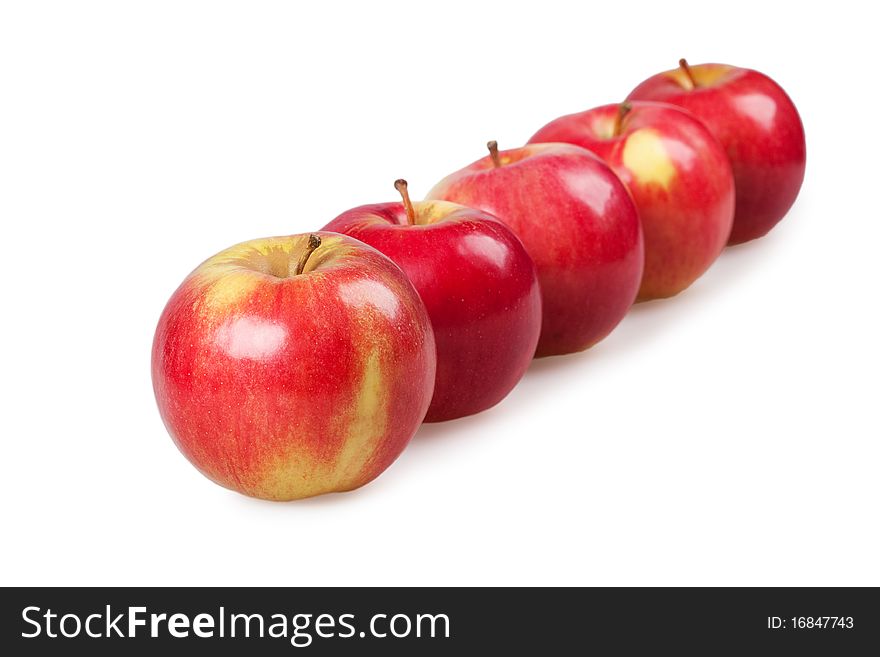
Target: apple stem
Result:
[622, 110]
[314, 243]
[683, 64]
[403, 187]
[493, 153]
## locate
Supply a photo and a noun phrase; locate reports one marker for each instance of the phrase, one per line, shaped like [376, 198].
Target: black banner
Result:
[418, 621]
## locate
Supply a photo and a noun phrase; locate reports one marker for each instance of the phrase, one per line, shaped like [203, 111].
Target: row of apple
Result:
[293, 366]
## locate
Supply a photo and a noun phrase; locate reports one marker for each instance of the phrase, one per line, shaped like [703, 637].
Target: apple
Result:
[756, 123]
[288, 367]
[678, 175]
[478, 284]
[579, 224]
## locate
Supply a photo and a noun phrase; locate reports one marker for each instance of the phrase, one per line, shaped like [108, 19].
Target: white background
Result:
[727, 436]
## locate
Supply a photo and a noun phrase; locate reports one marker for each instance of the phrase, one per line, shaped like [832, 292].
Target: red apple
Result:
[679, 177]
[758, 126]
[579, 224]
[478, 284]
[288, 367]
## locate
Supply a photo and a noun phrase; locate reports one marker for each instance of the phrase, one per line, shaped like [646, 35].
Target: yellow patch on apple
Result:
[645, 156]
[367, 426]
[283, 477]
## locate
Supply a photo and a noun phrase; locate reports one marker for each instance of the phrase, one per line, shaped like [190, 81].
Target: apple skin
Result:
[679, 176]
[283, 386]
[579, 224]
[479, 286]
[759, 127]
